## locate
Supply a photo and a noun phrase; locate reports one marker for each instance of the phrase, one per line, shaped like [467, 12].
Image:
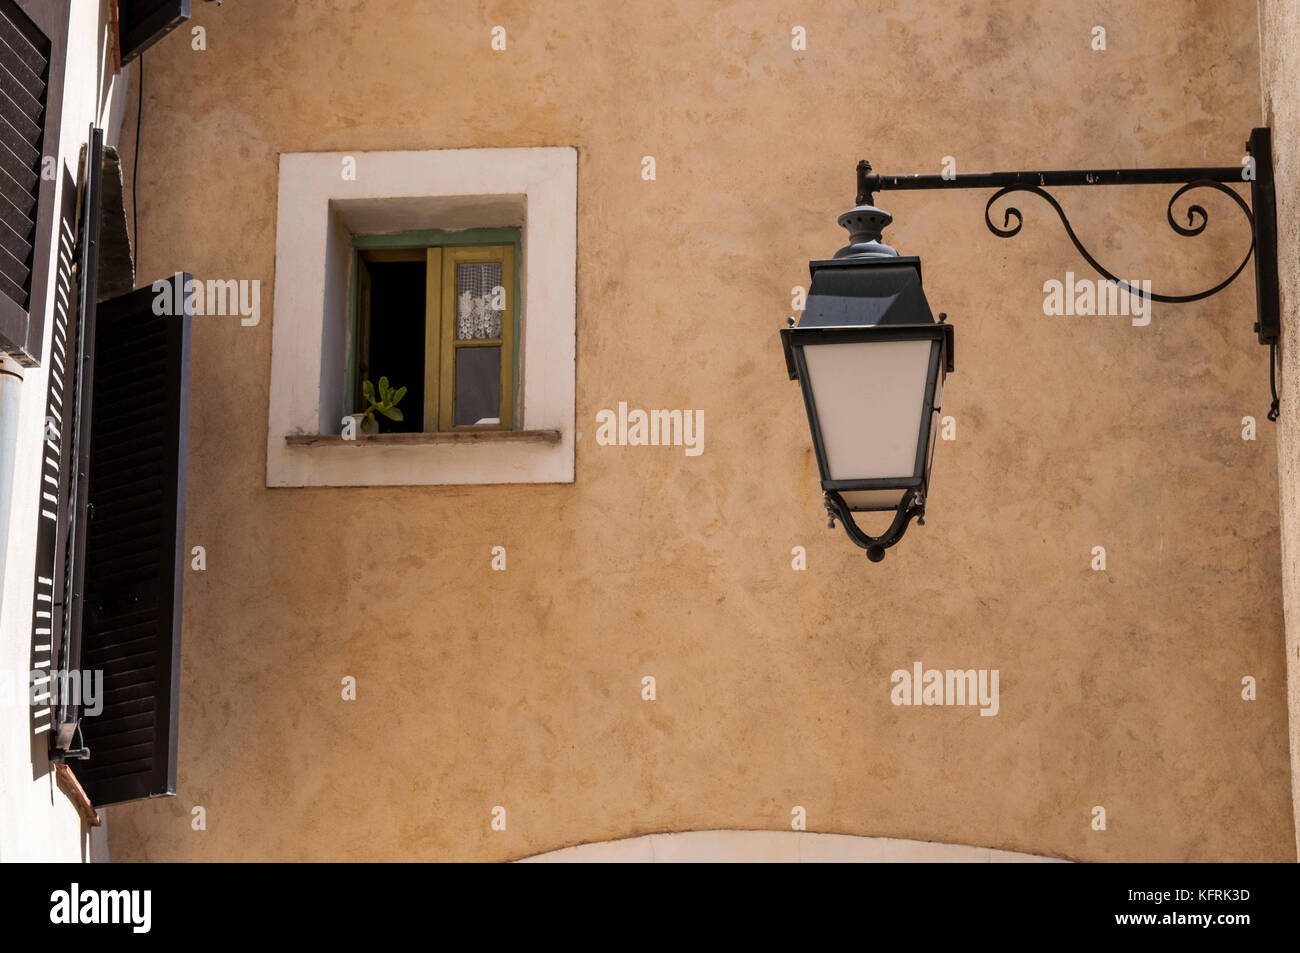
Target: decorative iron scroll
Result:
[875, 546]
[1197, 219]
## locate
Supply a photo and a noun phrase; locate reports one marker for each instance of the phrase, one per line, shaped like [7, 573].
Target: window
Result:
[477, 211]
[33, 41]
[145, 22]
[435, 313]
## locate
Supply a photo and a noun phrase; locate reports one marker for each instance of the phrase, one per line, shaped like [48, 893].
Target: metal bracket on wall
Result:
[1261, 214]
[78, 753]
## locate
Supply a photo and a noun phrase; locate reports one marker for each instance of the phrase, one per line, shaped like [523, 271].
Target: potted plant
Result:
[384, 402]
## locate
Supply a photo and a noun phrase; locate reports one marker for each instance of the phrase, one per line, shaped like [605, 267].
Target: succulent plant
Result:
[385, 402]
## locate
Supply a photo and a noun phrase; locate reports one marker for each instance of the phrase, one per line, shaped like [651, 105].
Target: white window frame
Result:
[319, 209]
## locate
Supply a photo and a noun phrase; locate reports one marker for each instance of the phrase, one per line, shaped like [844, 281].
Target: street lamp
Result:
[871, 361]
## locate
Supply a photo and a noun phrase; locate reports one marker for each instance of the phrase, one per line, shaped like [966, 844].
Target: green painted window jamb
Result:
[350, 385]
[430, 237]
[518, 346]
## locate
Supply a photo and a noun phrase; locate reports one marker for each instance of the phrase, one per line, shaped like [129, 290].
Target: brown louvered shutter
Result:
[145, 22]
[135, 541]
[73, 519]
[33, 38]
[48, 645]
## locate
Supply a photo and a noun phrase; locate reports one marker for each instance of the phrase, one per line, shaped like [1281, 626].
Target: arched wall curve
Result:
[779, 847]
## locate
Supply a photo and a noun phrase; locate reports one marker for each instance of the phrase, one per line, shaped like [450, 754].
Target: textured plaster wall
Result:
[1279, 33]
[522, 689]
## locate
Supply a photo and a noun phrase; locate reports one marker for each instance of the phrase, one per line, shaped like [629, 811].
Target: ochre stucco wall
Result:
[522, 688]
[1279, 32]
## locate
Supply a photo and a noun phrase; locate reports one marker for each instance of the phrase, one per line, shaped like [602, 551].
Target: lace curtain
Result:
[477, 295]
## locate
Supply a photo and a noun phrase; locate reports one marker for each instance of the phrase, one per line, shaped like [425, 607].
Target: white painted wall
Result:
[37, 822]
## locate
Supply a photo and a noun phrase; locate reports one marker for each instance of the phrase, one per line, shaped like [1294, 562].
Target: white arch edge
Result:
[740, 846]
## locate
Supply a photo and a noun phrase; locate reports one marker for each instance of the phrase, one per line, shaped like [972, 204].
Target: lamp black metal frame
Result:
[912, 488]
[895, 311]
[866, 222]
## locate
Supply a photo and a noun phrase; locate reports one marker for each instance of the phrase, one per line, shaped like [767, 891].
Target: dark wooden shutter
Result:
[56, 453]
[74, 514]
[135, 541]
[33, 40]
[145, 22]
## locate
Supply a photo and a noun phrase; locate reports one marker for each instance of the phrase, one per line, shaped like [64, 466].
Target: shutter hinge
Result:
[61, 756]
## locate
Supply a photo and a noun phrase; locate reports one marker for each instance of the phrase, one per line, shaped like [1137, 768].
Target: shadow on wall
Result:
[779, 847]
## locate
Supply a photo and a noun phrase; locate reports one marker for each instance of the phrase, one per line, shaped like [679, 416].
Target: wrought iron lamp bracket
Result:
[1260, 214]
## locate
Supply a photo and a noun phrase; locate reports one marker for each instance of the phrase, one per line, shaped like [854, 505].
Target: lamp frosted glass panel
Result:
[872, 499]
[936, 421]
[869, 397]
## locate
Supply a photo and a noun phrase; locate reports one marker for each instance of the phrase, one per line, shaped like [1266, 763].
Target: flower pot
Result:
[356, 424]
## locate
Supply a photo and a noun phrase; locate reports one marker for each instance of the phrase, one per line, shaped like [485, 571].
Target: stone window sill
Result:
[454, 438]
[425, 459]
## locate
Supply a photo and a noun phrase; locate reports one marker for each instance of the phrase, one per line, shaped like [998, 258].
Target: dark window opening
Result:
[396, 347]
